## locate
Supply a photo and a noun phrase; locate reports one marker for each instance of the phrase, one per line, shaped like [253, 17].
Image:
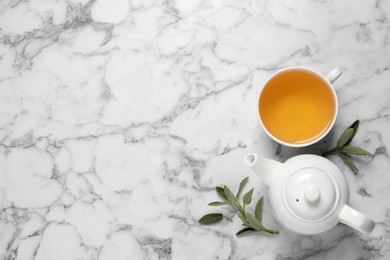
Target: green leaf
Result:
[247, 199]
[256, 224]
[253, 222]
[348, 161]
[259, 209]
[345, 137]
[210, 219]
[355, 127]
[355, 150]
[246, 231]
[242, 185]
[229, 194]
[217, 203]
[221, 192]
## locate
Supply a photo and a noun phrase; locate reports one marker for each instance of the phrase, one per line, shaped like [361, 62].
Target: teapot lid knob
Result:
[312, 194]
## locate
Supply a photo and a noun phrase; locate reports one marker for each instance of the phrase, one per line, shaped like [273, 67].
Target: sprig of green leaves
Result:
[344, 150]
[251, 222]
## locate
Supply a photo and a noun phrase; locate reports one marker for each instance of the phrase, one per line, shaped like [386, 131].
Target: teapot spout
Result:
[266, 169]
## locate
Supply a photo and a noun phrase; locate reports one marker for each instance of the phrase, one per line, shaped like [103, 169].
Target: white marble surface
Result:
[118, 118]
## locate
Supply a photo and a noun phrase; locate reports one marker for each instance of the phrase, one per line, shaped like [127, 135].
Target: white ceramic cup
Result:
[329, 79]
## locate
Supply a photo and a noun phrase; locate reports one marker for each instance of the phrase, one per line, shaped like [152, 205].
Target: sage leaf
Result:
[242, 185]
[246, 231]
[221, 192]
[253, 222]
[247, 199]
[355, 127]
[256, 224]
[229, 194]
[348, 161]
[345, 137]
[355, 150]
[259, 209]
[210, 219]
[217, 203]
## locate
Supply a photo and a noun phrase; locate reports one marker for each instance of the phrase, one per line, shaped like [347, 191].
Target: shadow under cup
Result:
[297, 107]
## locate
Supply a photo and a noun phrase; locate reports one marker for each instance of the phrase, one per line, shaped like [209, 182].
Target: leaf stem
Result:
[334, 150]
[270, 231]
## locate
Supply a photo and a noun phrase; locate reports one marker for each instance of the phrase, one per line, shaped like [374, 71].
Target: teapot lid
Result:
[311, 192]
[308, 194]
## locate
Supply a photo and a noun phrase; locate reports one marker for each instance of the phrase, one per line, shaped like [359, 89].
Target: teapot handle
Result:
[356, 220]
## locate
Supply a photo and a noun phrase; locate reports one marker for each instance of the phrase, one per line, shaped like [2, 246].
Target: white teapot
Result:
[308, 194]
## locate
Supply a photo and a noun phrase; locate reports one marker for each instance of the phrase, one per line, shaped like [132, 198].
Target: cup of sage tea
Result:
[298, 106]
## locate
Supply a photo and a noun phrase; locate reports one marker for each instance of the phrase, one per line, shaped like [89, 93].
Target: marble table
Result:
[118, 119]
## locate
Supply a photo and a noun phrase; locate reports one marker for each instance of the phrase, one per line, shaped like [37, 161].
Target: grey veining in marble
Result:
[118, 119]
